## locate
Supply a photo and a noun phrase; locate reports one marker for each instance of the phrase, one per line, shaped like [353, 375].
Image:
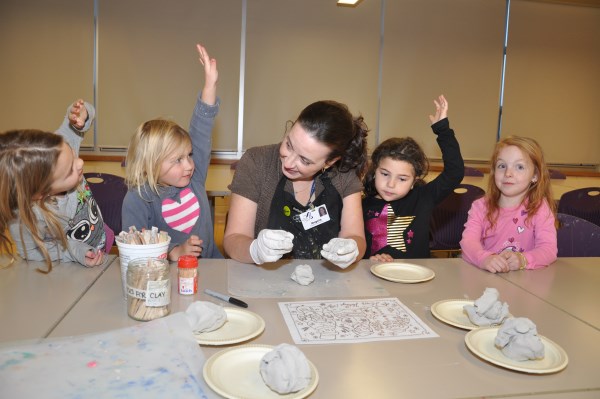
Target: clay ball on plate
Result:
[285, 369]
[205, 316]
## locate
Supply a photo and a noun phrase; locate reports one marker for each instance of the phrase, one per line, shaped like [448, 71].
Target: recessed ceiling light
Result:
[348, 2]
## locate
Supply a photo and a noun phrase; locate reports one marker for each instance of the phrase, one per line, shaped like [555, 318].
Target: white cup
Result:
[129, 252]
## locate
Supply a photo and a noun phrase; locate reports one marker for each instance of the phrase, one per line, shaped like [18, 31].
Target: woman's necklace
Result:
[304, 189]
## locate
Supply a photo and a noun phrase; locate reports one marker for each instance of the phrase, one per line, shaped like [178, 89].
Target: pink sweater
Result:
[536, 239]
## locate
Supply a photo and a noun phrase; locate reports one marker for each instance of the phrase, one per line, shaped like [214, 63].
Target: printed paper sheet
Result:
[350, 321]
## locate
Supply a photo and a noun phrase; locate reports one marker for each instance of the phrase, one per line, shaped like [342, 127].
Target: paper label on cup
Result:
[136, 293]
[158, 293]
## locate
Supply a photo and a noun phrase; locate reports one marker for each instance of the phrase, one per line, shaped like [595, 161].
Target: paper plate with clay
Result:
[235, 373]
[481, 343]
[451, 312]
[241, 326]
[401, 272]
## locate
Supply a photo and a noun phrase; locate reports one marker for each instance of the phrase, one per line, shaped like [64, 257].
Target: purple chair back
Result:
[556, 174]
[577, 237]
[583, 203]
[109, 192]
[469, 171]
[449, 217]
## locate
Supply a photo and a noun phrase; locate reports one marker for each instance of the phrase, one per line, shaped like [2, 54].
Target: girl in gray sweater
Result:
[166, 174]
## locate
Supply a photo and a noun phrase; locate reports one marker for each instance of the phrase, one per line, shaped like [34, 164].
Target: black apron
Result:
[285, 215]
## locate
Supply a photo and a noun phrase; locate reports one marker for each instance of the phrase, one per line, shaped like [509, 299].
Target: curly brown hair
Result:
[399, 149]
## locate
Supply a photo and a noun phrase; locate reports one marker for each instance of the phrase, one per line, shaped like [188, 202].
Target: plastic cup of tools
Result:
[129, 252]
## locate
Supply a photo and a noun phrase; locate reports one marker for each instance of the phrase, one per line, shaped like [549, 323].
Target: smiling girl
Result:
[166, 174]
[45, 202]
[398, 204]
[512, 227]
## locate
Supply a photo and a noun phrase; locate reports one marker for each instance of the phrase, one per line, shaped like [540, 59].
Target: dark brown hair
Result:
[399, 149]
[332, 124]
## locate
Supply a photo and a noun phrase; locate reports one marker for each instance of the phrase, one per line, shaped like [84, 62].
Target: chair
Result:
[449, 217]
[556, 174]
[583, 203]
[577, 237]
[469, 171]
[109, 192]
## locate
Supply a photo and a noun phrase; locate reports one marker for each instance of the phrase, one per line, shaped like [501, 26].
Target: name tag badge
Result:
[314, 217]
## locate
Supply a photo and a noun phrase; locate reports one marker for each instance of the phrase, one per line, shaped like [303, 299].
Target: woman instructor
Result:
[277, 189]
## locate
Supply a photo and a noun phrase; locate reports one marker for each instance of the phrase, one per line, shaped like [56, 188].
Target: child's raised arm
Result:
[211, 75]
[441, 109]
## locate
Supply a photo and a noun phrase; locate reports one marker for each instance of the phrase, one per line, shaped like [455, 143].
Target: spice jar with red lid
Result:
[187, 271]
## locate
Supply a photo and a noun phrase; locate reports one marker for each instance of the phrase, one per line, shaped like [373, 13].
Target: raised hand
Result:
[441, 109]
[211, 75]
[78, 114]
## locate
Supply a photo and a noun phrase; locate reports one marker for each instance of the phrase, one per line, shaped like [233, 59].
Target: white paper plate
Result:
[401, 272]
[241, 325]
[235, 373]
[450, 311]
[481, 343]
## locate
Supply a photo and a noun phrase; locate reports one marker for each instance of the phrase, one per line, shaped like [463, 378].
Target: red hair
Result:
[538, 191]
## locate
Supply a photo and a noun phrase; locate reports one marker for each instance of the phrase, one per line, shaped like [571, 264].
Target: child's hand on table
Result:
[382, 258]
[94, 258]
[496, 264]
[191, 246]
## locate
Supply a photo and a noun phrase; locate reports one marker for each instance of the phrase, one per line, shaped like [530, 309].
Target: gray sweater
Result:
[77, 210]
[146, 211]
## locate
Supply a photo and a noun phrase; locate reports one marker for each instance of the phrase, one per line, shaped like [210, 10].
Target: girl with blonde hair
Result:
[166, 173]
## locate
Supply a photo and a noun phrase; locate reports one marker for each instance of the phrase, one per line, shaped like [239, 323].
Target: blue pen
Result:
[226, 298]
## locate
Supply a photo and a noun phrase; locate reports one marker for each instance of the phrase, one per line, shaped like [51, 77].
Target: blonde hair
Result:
[151, 144]
[538, 192]
[27, 162]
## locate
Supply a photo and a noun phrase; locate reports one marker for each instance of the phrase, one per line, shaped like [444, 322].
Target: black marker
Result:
[226, 298]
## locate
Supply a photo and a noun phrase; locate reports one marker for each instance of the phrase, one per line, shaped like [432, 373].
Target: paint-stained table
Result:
[440, 367]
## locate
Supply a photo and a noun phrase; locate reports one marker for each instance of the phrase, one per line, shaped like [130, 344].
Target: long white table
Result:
[570, 285]
[422, 368]
[32, 303]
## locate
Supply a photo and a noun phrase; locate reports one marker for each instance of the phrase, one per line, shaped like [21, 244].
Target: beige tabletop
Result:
[33, 303]
[572, 286]
[415, 368]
